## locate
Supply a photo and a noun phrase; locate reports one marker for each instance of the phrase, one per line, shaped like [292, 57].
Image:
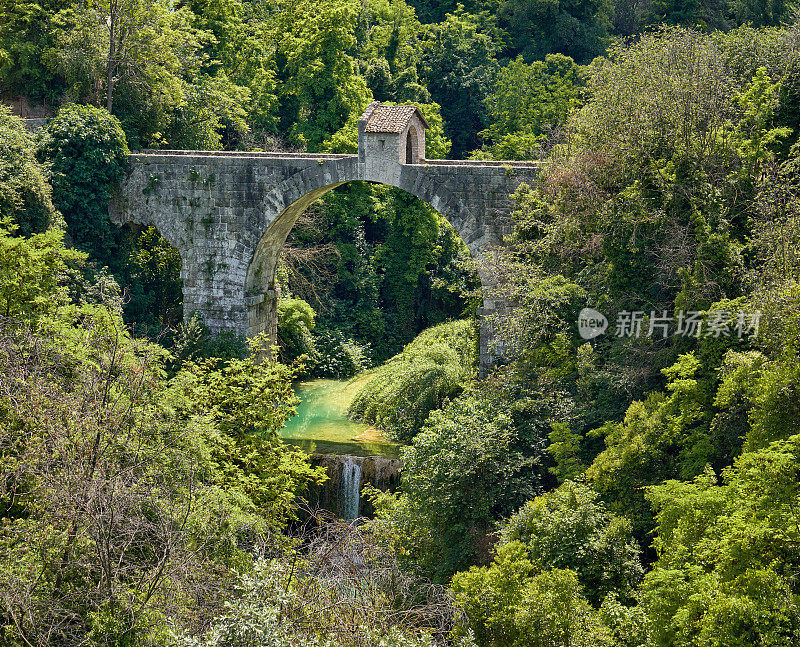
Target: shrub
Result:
[339, 356]
[470, 466]
[193, 341]
[87, 150]
[432, 369]
[309, 600]
[510, 604]
[295, 325]
[24, 191]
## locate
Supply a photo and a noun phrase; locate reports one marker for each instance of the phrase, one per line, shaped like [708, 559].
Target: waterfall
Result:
[341, 493]
[350, 489]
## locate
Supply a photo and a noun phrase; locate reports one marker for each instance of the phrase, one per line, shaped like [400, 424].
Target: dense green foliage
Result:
[635, 489]
[735, 540]
[25, 193]
[296, 322]
[150, 271]
[559, 553]
[392, 267]
[529, 102]
[324, 353]
[123, 492]
[86, 149]
[514, 603]
[672, 188]
[569, 528]
[432, 369]
[32, 272]
[475, 461]
[538, 27]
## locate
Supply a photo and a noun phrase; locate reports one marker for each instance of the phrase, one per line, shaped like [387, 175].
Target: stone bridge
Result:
[228, 213]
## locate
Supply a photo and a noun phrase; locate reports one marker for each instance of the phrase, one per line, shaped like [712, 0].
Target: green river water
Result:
[321, 424]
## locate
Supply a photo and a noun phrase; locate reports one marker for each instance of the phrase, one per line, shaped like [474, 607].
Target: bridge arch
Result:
[289, 200]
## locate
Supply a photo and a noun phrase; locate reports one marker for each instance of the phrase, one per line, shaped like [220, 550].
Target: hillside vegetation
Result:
[628, 475]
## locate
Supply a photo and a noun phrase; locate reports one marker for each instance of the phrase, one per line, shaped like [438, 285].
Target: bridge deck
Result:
[241, 154]
[323, 156]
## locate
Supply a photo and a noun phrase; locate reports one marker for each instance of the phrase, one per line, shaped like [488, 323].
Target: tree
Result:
[214, 111]
[33, 272]
[87, 151]
[390, 48]
[26, 41]
[459, 67]
[512, 603]
[25, 194]
[762, 12]
[665, 436]
[528, 103]
[141, 45]
[126, 498]
[296, 321]
[558, 558]
[570, 528]
[726, 554]
[471, 465]
[575, 28]
[319, 89]
[553, 612]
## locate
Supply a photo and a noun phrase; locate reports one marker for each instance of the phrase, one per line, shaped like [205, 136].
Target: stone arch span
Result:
[289, 200]
[228, 215]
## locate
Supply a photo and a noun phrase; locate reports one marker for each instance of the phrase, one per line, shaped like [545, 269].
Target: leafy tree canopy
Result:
[87, 151]
[25, 193]
[528, 103]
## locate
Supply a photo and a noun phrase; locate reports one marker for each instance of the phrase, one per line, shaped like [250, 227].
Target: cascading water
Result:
[350, 489]
[341, 493]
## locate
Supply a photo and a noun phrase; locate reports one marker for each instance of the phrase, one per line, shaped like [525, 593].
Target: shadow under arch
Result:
[293, 197]
[149, 268]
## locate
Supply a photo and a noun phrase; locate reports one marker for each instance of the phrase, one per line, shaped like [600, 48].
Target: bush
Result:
[570, 528]
[432, 369]
[193, 341]
[295, 325]
[511, 604]
[87, 150]
[309, 600]
[24, 191]
[339, 356]
[468, 468]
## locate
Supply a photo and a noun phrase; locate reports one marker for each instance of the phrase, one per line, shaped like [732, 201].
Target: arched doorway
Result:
[411, 146]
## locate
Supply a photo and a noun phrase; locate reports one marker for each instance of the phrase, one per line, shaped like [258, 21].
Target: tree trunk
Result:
[111, 54]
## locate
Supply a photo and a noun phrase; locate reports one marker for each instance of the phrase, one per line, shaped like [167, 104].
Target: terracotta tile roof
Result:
[389, 119]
